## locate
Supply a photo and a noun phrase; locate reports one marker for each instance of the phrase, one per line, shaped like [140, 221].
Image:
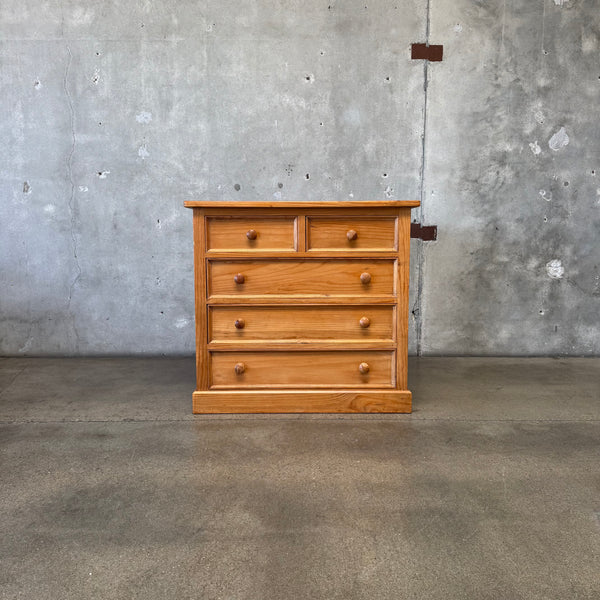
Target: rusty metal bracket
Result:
[426, 52]
[427, 233]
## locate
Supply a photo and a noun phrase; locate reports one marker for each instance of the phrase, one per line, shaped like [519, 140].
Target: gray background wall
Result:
[114, 113]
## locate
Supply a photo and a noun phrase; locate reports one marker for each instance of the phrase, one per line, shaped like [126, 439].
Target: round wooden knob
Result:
[239, 368]
[239, 278]
[365, 322]
[252, 234]
[352, 235]
[364, 368]
[365, 278]
[240, 323]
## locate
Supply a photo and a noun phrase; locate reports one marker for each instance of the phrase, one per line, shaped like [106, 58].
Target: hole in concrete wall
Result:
[566, 183]
[321, 123]
[280, 185]
[384, 175]
[387, 78]
[237, 187]
[307, 176]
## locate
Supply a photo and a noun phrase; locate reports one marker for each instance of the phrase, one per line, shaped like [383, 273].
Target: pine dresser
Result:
[301, 306]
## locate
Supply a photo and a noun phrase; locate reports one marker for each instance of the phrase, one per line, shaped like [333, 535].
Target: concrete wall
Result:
[112, 114]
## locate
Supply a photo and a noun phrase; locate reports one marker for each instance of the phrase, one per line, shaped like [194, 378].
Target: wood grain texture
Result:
[311, 254]
[305, 370]
[301, 324]
[200, 303]
[402, 312]
[297, 401]
[283, 210]
[230, 234]
[300, 345]
[301, 247]
[246, 300]
[368, 233]
[297, 277]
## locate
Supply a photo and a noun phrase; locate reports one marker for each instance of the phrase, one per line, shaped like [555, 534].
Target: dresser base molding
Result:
[298, 401]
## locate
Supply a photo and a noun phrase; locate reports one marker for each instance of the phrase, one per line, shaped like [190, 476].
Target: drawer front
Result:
[301, 278]
[360, 369]
[287, 323]
[352, 233]
[225, 234]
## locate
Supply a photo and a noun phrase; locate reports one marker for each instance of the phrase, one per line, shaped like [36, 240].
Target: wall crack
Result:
[417, 311]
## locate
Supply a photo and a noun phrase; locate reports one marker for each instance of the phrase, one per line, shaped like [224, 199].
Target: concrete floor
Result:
[112, 489]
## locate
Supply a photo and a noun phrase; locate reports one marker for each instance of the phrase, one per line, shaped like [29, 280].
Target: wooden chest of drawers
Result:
[301, 306]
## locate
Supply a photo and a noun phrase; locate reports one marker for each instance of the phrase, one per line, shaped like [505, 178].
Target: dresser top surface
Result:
[302, 204]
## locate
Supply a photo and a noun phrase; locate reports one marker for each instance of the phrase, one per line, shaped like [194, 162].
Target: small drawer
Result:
[352, 233]
[235, 234]
[301, 324]
[359, 369]
[341, 278]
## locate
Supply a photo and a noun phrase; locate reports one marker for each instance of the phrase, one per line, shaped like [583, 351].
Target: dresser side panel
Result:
[402, 297]
[200, 300]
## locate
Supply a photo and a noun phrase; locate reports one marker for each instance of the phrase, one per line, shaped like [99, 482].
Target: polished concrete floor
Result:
[110, 488]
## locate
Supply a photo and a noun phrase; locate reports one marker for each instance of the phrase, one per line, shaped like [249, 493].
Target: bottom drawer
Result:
[304, 370]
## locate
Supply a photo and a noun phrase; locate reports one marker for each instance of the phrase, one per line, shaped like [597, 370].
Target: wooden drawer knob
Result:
[240, 323]
[352, 235]
[364, 368]
[239, 368]
[239, 278]
[252, 234]
[365, 278]
[364, 322]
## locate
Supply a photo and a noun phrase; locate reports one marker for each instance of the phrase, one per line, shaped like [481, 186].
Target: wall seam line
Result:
[418, 308]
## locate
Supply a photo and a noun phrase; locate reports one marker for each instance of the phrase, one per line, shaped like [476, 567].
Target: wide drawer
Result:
[301, 278]
[352, 233]
[234, 234]
[360, 369]
[301, 324]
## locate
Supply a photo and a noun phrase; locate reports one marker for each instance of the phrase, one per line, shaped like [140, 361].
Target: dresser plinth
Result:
[301, 307]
